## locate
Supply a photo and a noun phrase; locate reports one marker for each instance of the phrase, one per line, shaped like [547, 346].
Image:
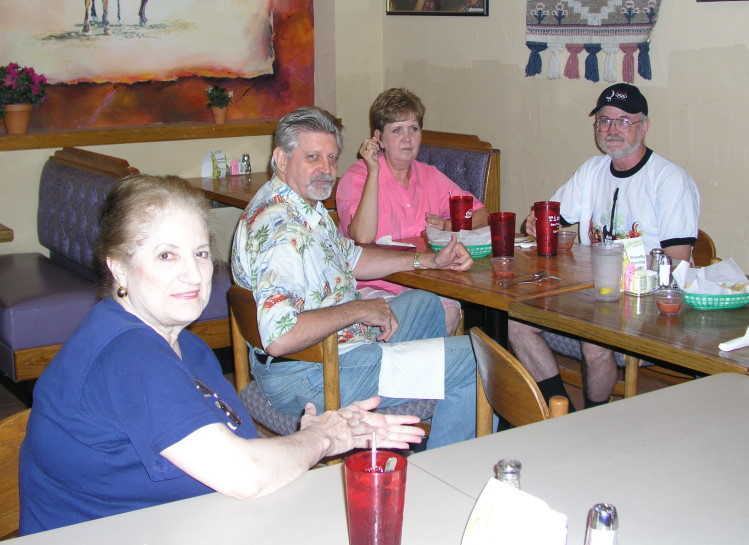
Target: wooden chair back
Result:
[12, 432]
[506, 387]
[244, 329]
[704, 252]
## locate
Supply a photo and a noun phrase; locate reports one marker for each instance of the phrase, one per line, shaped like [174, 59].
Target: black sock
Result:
[554, 386]
[590, 403]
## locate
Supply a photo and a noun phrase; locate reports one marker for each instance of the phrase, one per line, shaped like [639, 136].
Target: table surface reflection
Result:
[633, 324]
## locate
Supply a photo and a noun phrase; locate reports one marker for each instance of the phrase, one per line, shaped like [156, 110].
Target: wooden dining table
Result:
[573, 269]
[236, 191]
[633, 324]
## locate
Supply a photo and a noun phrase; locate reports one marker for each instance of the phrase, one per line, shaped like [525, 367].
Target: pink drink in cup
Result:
[547, 227]
[461, 213]
[374, 498]
[502, 228]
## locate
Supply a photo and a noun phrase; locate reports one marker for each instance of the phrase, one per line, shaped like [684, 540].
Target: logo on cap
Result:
[618, 95]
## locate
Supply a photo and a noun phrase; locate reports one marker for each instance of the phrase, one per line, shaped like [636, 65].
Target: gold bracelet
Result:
[417, 260]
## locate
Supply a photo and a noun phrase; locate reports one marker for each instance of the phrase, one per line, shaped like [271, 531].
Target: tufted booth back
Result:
[70, 200]
[465, 168]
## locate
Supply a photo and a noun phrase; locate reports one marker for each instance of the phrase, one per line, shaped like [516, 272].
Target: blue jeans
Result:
[290, 385]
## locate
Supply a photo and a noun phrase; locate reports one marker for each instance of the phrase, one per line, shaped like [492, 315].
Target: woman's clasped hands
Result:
[352, 427]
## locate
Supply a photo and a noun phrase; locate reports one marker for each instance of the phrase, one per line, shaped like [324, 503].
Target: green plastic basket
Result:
[716, 302]
[475, 251]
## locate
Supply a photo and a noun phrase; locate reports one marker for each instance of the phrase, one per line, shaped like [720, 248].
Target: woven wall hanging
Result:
[592, 26]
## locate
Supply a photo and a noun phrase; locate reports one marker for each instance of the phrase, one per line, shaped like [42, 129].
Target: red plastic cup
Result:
[502, 228]
[547, 227]
[461, 213]
[374, 498]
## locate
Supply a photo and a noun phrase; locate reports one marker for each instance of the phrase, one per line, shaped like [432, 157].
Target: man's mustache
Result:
[324, 178]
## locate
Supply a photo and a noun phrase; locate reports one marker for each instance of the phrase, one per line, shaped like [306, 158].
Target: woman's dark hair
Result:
[397, 104]
[129, 212]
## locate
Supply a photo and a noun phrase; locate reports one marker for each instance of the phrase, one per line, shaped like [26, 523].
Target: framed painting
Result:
[437, 7]
[118, 63]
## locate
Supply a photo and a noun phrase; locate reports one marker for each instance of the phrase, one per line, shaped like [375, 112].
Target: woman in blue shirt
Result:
[134, 410]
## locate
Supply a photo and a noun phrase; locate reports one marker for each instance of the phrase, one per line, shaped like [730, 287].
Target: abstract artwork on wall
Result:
[150, 62]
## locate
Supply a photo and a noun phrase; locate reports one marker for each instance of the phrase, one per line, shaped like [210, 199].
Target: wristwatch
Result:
[417, 260]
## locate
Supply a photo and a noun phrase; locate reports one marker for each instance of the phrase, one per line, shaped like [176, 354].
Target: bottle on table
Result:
[244, 165]
[507, 471]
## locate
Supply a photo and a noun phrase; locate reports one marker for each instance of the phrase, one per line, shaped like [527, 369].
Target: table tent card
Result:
[591, 26]
[504, 514]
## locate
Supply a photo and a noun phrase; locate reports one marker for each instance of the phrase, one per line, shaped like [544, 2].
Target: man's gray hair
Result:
[303, 120]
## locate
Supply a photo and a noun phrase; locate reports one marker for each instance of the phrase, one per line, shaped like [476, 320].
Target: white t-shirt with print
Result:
[657, 200]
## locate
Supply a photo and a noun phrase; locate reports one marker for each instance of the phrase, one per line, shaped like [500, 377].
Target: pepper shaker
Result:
[507, 471]
[603, 525]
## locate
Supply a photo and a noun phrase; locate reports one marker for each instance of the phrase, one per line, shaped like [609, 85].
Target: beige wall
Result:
[469, 71]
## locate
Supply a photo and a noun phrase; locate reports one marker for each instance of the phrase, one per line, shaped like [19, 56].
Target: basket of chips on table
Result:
[478, 242]
[722, 285]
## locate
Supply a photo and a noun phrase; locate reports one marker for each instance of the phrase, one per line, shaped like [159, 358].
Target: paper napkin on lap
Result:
[504, 514]
[413, 370]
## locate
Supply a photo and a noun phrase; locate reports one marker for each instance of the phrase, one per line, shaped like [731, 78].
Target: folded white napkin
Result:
[711, 280]
[413, 370]
[478, 237]
[387, 240]
[504, 514]
[735, 344]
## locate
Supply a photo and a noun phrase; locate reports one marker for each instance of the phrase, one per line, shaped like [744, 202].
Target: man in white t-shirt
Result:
[629, 192]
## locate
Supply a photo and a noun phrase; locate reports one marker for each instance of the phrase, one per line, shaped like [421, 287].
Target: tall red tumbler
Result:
[502, 229]
[547, 227]
[461, 213]
[374, 498]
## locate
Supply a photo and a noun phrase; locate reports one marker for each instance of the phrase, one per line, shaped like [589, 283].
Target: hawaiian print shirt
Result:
[293, 258]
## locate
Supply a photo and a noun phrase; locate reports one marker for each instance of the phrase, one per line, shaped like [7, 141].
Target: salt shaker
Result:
[245, 167]
[507, 471]
[603, 525]
[664, 271]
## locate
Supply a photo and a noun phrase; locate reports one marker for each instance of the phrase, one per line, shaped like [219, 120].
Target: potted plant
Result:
[219, 100]
[21, 89]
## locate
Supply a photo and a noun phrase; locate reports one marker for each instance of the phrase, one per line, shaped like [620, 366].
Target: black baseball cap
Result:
[623, 96]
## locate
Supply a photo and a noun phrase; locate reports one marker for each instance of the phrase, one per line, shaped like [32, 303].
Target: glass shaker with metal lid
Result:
[507, 470]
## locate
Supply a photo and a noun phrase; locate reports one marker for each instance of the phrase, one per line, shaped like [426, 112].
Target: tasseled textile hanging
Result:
[614, 27]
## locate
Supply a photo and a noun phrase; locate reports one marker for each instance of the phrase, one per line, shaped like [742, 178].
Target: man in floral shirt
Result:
[303, 274]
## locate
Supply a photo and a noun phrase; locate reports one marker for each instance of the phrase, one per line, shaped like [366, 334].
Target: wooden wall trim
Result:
[130, 135]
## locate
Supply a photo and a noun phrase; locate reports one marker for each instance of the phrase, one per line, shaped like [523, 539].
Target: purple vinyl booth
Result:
[42, 299]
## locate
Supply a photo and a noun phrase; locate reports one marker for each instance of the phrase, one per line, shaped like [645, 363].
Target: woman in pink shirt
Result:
[389, 192]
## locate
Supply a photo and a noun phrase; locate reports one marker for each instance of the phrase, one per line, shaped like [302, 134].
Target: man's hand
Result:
[454, 256]
[530, 224]
[379, 314]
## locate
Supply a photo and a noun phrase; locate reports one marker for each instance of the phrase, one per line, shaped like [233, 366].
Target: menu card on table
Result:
[504, 514]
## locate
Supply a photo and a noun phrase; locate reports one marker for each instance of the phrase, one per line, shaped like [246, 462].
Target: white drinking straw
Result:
[374, 449]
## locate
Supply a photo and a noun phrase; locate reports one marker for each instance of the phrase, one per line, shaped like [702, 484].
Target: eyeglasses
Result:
[623, 125]
[234, 419]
